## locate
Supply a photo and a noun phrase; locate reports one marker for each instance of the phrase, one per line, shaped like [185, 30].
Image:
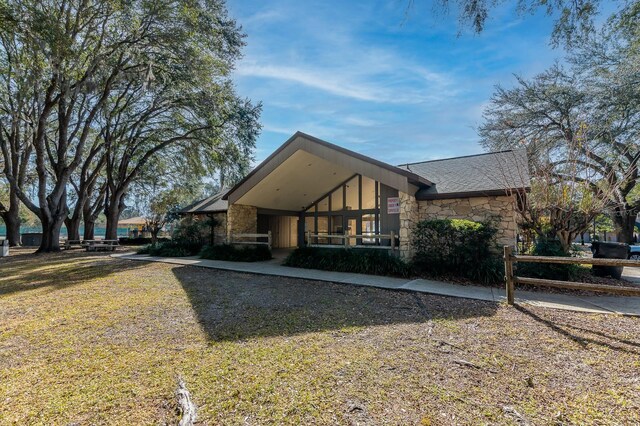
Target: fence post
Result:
[508, 274]
[345, 240]
[308, 238]
[392, 236]
[269, 239]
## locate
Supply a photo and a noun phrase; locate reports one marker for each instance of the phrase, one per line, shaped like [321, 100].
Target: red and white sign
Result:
[393, 205]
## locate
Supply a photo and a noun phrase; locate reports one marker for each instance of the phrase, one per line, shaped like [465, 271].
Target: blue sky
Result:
[366, 75]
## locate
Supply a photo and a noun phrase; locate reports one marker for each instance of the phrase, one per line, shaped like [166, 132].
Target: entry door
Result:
[353, 227]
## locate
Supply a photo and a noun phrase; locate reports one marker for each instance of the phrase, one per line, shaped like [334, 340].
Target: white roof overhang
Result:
[305, 168]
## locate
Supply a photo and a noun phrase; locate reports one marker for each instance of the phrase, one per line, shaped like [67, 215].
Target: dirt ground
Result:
[88, 339]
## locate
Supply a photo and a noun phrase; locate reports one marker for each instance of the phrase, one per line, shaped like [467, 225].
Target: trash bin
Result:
[603, 250]
[4, 248]
[31, 239]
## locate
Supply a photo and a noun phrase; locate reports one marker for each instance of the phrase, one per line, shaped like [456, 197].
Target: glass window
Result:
[311, 209]
[323, 205]
[352, 194]
[337, 202]
[323, 229]
[336, 225]
[368, 227]
[352, 224]
[310, 224]
[368, 193]
[337, 229]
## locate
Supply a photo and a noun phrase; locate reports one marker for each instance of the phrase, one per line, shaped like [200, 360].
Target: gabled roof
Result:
[132, 221]
[343, 159]
[491, 173]
[213, 204]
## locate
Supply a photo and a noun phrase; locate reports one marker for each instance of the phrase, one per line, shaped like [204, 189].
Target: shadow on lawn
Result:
[30, 271]
[583, 335]
[236, 306]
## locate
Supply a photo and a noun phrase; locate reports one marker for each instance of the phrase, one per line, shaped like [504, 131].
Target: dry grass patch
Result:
[88, 339]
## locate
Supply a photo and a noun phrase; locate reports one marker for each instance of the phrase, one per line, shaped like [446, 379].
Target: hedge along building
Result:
[309, 185]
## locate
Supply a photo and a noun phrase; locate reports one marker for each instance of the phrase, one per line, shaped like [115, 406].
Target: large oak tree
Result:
[115, 84]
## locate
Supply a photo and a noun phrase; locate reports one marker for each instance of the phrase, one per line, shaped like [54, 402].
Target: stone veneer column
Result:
[242, 219]
[409, 216]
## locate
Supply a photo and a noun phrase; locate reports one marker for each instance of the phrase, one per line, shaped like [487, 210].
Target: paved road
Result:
[632, 274]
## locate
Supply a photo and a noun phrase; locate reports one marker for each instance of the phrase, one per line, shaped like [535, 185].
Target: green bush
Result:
[193, 234]
[138, 241]
[549, 271]
[457, 247]
[228, 252]
[362, 261]
[167, 249]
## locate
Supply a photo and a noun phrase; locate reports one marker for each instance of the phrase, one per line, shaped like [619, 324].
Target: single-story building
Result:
[309, 187]
[136, 227]
[214, 207]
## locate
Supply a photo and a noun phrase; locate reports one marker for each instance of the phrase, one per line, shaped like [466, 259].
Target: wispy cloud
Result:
[361, 75]
[374, 87]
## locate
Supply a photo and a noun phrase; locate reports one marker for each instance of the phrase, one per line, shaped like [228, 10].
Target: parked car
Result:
[634, 254]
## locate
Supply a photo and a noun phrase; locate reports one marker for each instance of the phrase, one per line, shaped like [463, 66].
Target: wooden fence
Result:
[241, 239]
[512, 280]
[345, 240]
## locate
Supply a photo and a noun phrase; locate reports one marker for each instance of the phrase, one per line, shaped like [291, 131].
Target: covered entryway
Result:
[284, 229]
[311, 187]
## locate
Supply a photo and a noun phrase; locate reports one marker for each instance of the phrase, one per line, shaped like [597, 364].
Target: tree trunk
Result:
[625, 223]
[113, 210]
[50, 235]
[52, 220]
[154, 236]
[11, 218]
[91, 212]
[89, 229]
[73, 227]
[12, 222]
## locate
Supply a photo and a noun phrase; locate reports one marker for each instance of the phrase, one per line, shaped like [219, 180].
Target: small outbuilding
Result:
[136, 227]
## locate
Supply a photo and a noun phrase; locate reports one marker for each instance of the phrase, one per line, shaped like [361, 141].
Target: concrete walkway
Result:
[596, 304]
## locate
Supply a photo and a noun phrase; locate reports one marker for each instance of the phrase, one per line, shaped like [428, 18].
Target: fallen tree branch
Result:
[520, 418]
[186, 407]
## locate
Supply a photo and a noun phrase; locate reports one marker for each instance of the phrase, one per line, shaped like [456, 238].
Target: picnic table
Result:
[100, 245]
[70, 243]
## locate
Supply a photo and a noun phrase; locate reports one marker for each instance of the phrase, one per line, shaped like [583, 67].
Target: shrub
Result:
[139, 241]
[362, 261]
[167, 249]
[457, 247]
[193, 234]
[550, 271]
[228, 252]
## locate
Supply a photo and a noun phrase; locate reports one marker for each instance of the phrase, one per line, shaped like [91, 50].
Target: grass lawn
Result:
[87, 339]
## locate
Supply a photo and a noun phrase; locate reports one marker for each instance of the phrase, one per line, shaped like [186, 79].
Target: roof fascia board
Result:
[471, 194]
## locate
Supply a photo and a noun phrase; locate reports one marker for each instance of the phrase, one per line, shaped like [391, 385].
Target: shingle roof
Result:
[213, 204]
[474, 175]
[483, 174]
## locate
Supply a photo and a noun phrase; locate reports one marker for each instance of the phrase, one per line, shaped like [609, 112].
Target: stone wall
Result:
[242, 219]
[409, 216]
[497, 208]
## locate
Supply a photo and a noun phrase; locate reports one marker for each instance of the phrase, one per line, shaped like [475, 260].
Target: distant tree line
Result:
[99, 96]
